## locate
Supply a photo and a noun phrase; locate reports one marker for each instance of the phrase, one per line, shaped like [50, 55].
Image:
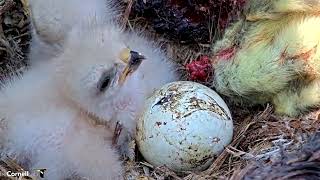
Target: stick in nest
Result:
[126, 13]
[116, 133]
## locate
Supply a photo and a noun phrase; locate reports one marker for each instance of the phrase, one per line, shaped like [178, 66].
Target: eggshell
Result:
[184, 126]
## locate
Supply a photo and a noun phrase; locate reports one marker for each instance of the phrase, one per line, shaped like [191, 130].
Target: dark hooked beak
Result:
[135, 60]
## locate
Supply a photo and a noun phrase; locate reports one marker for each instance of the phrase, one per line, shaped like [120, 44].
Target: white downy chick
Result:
[51, 111]
[52, 20]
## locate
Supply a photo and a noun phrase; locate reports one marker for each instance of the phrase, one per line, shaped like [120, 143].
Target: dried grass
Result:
[14, 38]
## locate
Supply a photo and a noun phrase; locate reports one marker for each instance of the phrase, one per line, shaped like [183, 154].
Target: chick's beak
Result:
[134, 61]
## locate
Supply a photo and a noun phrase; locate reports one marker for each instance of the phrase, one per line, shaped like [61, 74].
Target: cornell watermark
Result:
[37, 172]
[17, 174]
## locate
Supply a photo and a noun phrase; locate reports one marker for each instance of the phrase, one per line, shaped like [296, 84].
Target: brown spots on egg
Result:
[170, 101]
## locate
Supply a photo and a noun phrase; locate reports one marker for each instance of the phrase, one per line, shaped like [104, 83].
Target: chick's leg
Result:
[292, 102]
[123, 141]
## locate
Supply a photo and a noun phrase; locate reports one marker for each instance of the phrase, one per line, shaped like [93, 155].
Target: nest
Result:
[264, 146]
[14, 38]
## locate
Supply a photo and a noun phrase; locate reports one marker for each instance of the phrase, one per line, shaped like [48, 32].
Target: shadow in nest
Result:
[188, 21]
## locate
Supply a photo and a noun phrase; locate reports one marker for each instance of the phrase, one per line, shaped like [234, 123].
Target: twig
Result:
[127, 13]
[116, 134]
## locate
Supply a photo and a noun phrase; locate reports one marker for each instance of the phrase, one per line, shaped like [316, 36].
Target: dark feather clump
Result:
[304, 164]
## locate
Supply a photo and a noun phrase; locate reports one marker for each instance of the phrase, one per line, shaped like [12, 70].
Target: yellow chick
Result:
[272, 55]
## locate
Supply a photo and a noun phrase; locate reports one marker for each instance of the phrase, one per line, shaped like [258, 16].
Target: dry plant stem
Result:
[127, 13]
[116, 134]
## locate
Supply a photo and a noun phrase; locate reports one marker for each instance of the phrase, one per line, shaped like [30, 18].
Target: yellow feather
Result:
[278, 43]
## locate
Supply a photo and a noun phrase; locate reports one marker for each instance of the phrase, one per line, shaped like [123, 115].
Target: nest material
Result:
[304, 164]
[14, 38]
[191, 21]
[259, 136]
[7, 164]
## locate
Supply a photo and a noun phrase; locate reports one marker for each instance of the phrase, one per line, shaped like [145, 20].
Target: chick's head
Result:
[102, 76]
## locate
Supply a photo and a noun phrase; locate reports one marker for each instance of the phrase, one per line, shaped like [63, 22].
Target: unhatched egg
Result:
[184, 126]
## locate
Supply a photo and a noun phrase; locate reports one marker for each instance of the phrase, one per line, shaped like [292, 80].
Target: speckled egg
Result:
[184, 126]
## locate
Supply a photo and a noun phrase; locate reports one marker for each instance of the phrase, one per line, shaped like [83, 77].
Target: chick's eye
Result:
[105, 81]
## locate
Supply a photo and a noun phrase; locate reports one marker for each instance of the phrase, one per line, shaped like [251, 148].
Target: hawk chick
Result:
[60, 114]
